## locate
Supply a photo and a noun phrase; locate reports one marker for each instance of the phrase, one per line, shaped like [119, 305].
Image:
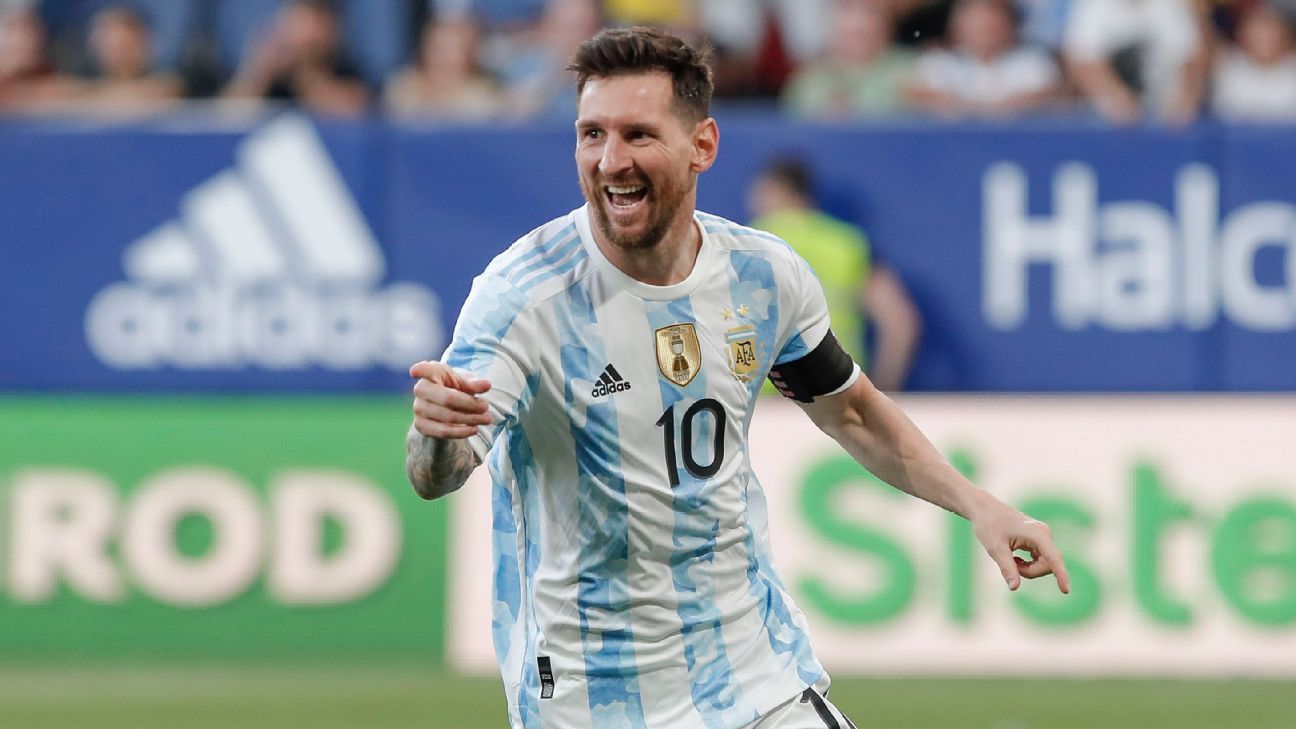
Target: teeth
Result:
[615, 190]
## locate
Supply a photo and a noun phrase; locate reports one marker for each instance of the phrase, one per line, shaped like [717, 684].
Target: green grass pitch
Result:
[407, 697]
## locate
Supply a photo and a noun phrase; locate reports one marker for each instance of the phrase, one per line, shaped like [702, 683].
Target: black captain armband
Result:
[825, 369]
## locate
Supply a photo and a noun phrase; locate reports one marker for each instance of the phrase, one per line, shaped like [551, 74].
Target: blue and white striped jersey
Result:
[634, 585]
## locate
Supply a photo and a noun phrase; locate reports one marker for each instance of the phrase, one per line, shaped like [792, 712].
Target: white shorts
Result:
[810, 710]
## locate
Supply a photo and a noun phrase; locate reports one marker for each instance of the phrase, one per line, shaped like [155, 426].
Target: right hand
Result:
[446, 404]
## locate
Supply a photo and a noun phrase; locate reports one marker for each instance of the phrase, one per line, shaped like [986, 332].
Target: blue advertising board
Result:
[299, 255]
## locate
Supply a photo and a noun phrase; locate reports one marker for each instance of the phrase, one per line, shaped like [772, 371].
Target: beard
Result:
[662, 202]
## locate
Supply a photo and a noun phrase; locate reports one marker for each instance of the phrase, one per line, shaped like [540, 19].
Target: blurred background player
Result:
[858, 289]
[986, 71]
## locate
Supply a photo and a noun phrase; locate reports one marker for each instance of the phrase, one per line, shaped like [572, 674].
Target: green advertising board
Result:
[215, 527]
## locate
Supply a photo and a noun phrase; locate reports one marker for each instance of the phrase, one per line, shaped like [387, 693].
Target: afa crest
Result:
[742, 352]
[679, 357]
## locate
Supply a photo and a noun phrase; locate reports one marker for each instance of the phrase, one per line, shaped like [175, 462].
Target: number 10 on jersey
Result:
[685, 448]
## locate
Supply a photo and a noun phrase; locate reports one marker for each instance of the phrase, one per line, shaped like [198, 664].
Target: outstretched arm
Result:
[447, 411]
[876, 433]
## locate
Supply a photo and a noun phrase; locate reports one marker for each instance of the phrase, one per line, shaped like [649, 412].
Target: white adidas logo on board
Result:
[270, 264]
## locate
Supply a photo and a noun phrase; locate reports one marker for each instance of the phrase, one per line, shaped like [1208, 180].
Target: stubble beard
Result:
[663, 203]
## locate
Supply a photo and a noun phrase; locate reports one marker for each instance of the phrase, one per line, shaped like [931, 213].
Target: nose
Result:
[616, 157]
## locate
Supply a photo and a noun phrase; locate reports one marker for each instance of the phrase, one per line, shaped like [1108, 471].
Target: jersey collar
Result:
[701, 267]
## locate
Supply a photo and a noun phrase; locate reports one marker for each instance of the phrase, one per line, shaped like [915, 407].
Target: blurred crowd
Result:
[1126, 61]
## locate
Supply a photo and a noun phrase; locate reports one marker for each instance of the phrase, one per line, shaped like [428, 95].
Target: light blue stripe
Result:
[531, 251]
[538, 250]
[560, 270]
[522, 460]
[730, 230]
[603, 593]
[717, 224]
[550, 255]
[753, 288]
[715, 693]
[508, 577]
[752, 284]
[484, 322]
[794, 350]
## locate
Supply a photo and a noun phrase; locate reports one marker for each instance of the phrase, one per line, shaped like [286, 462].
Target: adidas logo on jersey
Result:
[609, 382]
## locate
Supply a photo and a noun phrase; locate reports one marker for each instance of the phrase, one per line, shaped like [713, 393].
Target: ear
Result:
[706, 144]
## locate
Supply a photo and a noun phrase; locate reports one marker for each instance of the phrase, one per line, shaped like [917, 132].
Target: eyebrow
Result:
[583, 124]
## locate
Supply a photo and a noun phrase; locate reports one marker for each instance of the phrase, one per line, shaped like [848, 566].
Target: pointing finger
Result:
[1050, 562]
[429, 370]
[442, 374]
[1058, 565]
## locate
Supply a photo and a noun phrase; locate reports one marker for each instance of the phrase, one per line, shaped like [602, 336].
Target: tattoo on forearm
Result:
[437, 466]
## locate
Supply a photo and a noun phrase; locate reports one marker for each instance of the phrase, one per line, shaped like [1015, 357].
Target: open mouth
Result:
[625, 198]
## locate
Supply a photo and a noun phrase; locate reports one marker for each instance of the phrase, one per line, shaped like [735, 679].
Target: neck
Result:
[668, 262]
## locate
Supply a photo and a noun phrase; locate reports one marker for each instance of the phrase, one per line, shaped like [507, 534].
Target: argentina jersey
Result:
[633, 581]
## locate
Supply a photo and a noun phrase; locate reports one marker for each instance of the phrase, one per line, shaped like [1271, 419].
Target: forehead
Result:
[626, 98]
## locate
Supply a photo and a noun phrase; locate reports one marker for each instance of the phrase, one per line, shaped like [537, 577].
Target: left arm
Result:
[878, 435]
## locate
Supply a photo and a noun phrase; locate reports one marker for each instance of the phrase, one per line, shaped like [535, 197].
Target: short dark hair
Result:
[627, 51]
[793, 173]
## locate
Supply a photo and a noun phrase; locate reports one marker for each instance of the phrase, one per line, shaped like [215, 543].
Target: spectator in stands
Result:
[301, 60]
[536, 80]
[27, 76]
[1226, 15]
[1256, 81]
[679, 17]
[759, 43]
[986, 71]
[782, 199]
[803, 26]
[121, 52]
[864, 73]
[1132, 58]
[445, 80]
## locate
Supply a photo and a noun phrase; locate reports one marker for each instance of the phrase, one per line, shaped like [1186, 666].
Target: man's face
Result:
[637, 160]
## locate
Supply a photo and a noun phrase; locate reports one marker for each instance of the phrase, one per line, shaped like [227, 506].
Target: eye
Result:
[592, 134]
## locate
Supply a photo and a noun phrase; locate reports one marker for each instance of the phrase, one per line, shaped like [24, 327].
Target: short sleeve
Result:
[807, 322]
[490, 342]
[810, 361]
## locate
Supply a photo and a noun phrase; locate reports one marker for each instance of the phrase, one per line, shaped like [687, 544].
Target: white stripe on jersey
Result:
[630, 533]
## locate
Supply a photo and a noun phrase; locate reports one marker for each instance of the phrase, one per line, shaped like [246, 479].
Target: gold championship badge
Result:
[743, 357]
[678, 355]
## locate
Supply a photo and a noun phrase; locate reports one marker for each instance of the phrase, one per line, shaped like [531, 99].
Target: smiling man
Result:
[606, 365]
